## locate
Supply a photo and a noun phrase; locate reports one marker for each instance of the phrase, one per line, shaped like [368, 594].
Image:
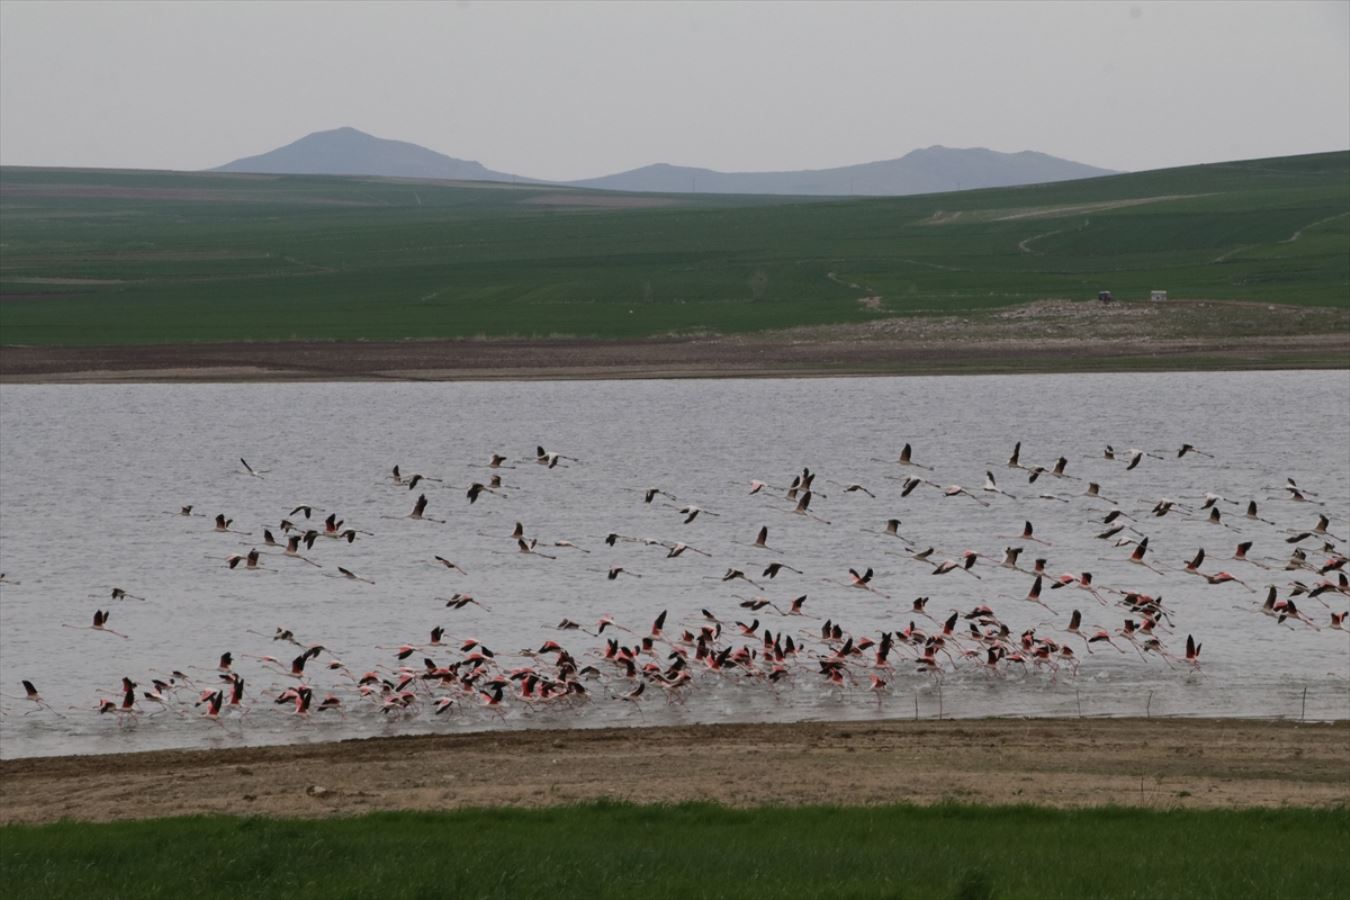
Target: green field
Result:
[114, 257]
[608, 850]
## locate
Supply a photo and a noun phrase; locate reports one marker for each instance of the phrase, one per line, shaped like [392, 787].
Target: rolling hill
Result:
[109, 257]
[929, 171]
[346, 151]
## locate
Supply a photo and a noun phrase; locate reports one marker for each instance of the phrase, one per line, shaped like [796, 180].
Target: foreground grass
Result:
[610, 850]
[106, 257]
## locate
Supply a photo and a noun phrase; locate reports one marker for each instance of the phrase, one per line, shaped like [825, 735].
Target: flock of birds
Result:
[758, 625]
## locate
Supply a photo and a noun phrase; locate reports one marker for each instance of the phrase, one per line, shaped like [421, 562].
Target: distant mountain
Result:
[346, 151]
[927, 171]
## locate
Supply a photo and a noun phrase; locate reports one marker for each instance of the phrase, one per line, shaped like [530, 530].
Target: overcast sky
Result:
[572, 90]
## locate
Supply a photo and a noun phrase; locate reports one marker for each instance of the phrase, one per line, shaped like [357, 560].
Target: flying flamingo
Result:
[1193, 652]
[528, 549]
[223, 525]
[992, 486]
[32, 696]
[293, 550]
[906, 459]
[1224, 577]
[802, 508]
[1103, 635]
[956, 490]
[449, 565]
[1095, 490]
[351, 576]
[419, 510]
[1029, 534]
[679, 547]
[100, 624]
[1137, 556]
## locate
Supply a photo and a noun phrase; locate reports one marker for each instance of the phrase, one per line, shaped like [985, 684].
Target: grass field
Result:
[108, 257]
[610, 850]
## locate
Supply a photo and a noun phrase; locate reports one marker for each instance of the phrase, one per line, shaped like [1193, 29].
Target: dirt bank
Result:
[1055, 762]
[1046, 336]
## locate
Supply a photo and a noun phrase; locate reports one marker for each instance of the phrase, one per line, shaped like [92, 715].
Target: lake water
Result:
[89, 477]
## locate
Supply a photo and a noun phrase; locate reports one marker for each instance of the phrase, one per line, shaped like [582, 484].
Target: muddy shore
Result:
[1046, 336]
[1159, 763]
[521, 360]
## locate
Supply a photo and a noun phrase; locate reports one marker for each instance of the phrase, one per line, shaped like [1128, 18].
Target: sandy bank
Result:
[1056, 762]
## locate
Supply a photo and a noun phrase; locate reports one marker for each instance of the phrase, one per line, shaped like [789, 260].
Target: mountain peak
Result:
[928, 170]
[350, 151]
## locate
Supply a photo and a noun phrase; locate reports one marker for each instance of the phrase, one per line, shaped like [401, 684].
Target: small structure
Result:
[1157, 296]
[1105, 297]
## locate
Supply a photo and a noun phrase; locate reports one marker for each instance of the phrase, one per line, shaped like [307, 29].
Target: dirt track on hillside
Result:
[1160, 763]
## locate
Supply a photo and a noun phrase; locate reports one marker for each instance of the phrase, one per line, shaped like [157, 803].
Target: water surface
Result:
[89, 475]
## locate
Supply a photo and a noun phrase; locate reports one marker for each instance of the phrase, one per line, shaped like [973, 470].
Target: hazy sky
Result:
[571, 90]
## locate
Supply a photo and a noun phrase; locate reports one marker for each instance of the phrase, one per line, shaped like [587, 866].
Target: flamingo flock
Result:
[761, 611]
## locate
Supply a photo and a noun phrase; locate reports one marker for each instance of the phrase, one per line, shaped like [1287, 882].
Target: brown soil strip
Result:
[1045, 336]
[669, 358]
[1053, 762]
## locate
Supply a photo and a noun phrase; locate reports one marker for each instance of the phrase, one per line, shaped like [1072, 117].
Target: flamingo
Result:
[223, 525]
[679, 547]
[956, 490]
[100, 623]
[737, 574]
[250, 560]
[1029, 534]
[992, 486]
[1095, 490]
[1193, 652]
[352, 576]
[906, 458]
[692, 512]
[419, 510]
[528, 549]
[293, 550]
[802, 508]
[762, 539]
[863, 581]
[1137, 557]
[1224, 577]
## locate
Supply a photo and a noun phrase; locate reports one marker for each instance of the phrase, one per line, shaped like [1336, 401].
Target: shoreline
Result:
[756, 356]
[1156, 763]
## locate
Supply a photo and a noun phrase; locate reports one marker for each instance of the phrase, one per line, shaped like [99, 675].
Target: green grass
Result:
[98, 256]
[608, 850]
